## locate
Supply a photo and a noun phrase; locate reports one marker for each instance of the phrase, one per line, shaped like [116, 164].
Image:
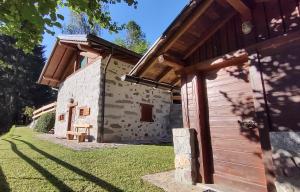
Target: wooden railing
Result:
[45, 109]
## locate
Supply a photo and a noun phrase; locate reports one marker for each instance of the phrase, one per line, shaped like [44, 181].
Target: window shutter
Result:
[146, 112]
[84, 111]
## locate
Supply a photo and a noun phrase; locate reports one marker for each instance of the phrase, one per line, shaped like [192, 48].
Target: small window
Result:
[84, 111]
[146, 112]
[61, 117]
[83, 62]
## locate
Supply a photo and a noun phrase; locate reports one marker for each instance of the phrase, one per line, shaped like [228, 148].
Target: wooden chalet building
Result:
[236, 63]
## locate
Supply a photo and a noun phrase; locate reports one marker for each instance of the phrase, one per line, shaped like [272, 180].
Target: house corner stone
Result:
[184, 149]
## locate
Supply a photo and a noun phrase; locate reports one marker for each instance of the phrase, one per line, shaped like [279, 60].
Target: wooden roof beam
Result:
[210, 32]
[241, 8]
[234, 58]
[190, 21]
[89, 54]
[182, 29]
[166, 60]
[163, 74]
[51, 79]
[170, 61]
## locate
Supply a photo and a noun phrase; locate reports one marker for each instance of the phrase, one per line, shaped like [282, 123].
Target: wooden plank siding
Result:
[270, 19]
[236, 149]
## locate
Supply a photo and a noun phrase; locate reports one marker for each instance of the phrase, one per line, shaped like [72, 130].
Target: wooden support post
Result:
[194, 116]
[184, 95]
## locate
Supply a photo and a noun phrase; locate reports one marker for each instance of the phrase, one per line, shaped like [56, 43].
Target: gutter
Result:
[103, 92]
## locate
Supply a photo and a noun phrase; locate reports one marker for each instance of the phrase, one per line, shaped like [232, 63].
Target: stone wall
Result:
[84, 88]
[185, 159]
[286, 158]
[122, 109]
[176, 116]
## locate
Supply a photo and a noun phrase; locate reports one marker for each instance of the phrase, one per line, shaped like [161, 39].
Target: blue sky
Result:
[154, 16]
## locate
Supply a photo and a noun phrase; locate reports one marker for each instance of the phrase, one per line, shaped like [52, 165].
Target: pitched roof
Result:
[67, 46]
[197, 22]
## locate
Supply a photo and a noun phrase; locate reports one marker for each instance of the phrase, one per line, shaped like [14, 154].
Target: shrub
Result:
[45, 123]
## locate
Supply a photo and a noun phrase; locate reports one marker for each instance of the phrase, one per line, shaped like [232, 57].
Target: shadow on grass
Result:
[99, 182]
[49, 176]
[4, 186]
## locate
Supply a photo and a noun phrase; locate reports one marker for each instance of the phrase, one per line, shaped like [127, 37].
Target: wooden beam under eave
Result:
[176, 97]
[88, 49]
[89, 54]
[68, 46]
[51, 79]
[170, 61]
[190, 21]
[210, 32]
[163, 74]
[234, 58]
[241, 8]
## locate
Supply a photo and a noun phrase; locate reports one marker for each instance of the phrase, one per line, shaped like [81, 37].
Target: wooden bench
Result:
[81, 136]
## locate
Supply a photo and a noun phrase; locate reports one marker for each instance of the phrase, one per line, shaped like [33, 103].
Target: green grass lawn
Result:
[30, 164]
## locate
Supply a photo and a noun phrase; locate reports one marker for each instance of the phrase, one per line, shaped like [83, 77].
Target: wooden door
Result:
[236, 149]
[71, 119]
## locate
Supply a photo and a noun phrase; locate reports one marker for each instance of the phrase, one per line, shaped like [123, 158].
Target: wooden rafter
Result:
[176, 97]
[201, 10]
[51, 79]
[89, 54]
[182, 29]
[68, 46]
[210, 32]
[176, 81]
[241, 8]
[163, 74]
[176, 64]
[234, 58]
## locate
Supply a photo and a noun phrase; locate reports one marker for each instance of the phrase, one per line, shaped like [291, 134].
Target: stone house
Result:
[86, 70]
[237, 65]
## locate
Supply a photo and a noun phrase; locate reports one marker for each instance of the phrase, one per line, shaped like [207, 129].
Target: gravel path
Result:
[73, 144]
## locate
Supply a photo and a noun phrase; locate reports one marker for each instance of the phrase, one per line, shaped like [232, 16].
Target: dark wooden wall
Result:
[270, 19]
[279, 66]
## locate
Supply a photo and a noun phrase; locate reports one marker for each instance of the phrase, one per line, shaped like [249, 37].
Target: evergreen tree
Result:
[135, 38]
[19, 73]
[79, 24]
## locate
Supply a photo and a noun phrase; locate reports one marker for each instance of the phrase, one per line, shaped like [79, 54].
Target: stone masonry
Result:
[122, 105]
[84, 88]
[122, 108]
[185, 160]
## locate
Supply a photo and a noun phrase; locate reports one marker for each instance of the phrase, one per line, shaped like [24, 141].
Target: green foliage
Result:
[28, 111]
[19, 73]
[45, 123]
[121, 167]
[135, 39]
[28, 20]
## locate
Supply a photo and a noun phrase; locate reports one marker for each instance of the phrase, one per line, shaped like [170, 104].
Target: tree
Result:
[28, 20]
[18, 88]
[135, 39]
[78, 24]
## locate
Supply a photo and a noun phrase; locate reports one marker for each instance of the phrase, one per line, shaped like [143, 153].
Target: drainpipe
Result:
[103, 87]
